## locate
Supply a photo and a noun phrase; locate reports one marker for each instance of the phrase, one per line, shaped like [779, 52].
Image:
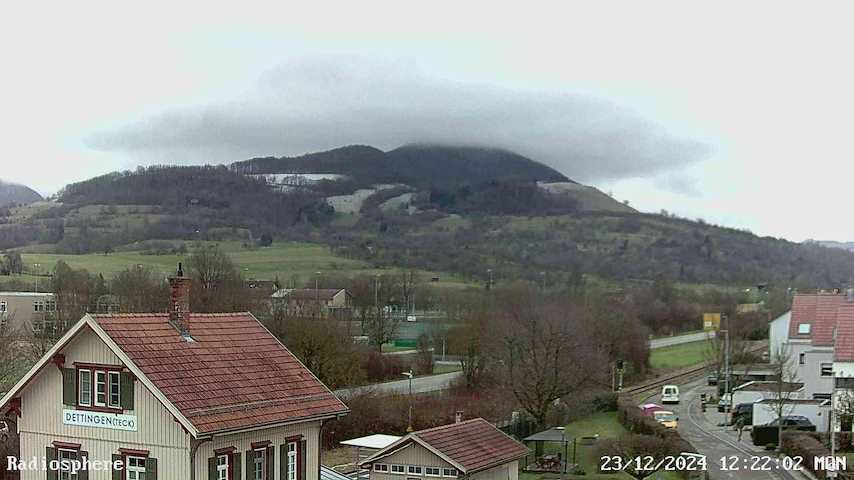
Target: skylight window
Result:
[804, 329]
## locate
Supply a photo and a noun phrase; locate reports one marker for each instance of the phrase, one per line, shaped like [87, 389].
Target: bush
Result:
[631, 417]
[605, 402]
[379, 367]
[806, 446]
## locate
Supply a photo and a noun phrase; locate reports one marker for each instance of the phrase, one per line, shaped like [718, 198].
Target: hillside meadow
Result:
[290, 261]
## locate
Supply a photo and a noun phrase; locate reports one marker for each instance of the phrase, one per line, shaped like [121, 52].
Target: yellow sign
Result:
[711, 321]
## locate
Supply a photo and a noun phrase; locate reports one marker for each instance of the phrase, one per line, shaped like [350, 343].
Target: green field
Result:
[678, 356]
[287, 260]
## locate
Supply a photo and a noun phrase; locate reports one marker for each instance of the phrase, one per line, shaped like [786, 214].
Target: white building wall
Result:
[41, 420]
[810, 372]
[778, 334]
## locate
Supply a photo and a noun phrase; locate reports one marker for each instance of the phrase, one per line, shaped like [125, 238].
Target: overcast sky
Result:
[738, 113]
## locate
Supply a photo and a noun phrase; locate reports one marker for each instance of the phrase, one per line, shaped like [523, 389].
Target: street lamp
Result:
[409, 375]
[489, 285]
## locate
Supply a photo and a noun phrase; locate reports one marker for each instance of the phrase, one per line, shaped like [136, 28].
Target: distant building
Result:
[335, 302]
[24, 312]
[473, 449]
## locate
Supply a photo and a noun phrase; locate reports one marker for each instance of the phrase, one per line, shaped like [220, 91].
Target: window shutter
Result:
[250, 465]
[50, 455]
[236, 469]
[127, 384]
[83, 474]
[283, 461]
[69, 386]
[117, 474]
[211, 469]
[301, 460]
[271, 462]
[150, 468]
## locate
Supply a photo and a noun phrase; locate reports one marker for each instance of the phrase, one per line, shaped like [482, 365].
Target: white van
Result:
[670, 394]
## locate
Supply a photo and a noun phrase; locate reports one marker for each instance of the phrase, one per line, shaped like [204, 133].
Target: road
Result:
[430, 383]
[679, 339]
[716, 442]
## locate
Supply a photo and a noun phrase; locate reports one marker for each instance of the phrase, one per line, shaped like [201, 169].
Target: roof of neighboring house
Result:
[327, 473]
[471, 446]
[819, 311]
[26, 294]
[234, 375]
[844, 348]
[376, 441]
[768, 387]
[307, 294]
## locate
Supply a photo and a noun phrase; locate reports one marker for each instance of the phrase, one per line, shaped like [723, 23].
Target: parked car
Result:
[725, 403]
[791, 421]
[649, 408]
[712, 378]
[764, 435]
[742, 410]
[670, 394]
[666, 418]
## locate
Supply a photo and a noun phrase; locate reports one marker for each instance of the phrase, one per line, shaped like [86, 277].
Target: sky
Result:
[734, 112]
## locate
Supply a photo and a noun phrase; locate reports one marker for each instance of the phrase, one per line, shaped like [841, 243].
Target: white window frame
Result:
[437, 469]
[50, 305]
[414, 470]
[80, 390]
[395, 466]
[4, 307]
[804, 329]
[66, 474]
[103, 382]
[262, 463]
[114, 389]
[821, 370]
[293, 461]
[38, 306]
[381, 467]
[453, 471]
[133, 471]
[222, 467]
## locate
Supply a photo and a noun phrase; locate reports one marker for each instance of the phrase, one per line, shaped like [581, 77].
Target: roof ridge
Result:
[449, 425]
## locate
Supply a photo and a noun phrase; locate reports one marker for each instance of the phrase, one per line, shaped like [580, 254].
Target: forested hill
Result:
[417, 165]
[15, 193]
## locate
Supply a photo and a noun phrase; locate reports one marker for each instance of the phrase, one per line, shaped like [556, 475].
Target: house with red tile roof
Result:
[812, 335]
[473, 449]
[176, 395]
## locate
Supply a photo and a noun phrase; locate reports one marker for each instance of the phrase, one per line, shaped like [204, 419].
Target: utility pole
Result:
[409, 374]
[726, 364]
[317, 292]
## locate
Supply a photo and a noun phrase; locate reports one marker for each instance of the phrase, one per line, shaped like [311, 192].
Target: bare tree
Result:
[217, 285]
[784, 388]
[324, 348]
[139, 289]
[11, 356]
[408, 284]
[546, 355]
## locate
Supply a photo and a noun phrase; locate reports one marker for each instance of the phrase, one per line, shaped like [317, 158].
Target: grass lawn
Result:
[678, 356]
[288, 260]
[437, 369]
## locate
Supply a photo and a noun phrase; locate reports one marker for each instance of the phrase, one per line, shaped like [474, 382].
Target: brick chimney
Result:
[179, 302]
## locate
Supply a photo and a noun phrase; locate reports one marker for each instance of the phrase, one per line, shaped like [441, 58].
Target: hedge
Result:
[631, 417]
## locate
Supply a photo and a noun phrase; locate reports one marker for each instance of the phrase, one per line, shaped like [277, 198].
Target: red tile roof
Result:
[818, 310]
[843, 351]
[474, 444]
[235, 375]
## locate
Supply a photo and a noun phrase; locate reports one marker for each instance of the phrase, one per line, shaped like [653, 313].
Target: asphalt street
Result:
[716, 442]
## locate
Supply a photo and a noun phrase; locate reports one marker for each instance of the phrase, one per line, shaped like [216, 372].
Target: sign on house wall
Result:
[110, 421]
